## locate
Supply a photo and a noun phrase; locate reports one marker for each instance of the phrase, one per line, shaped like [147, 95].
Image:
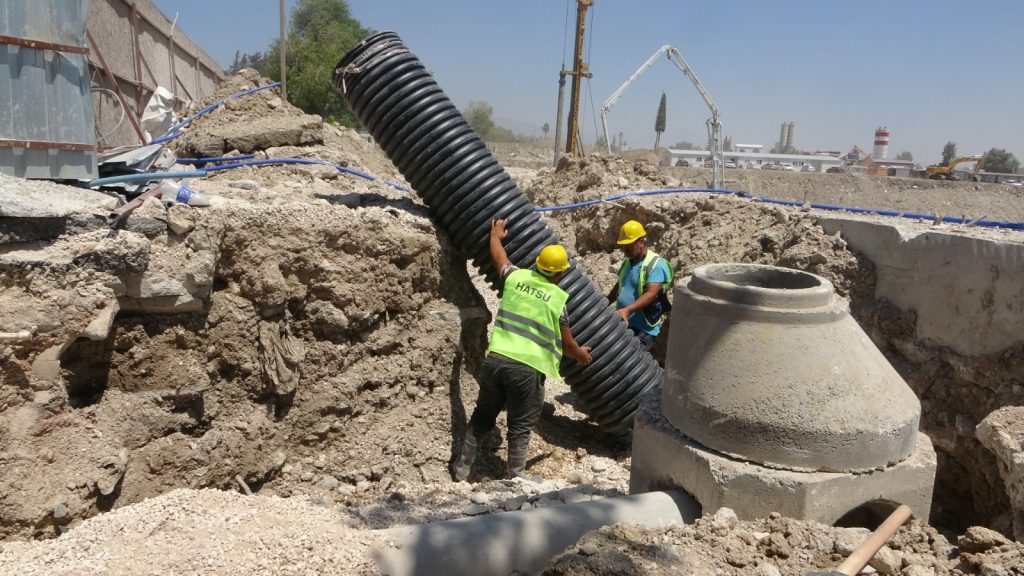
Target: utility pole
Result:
[580, 70]
[282, 47]
[558, 116]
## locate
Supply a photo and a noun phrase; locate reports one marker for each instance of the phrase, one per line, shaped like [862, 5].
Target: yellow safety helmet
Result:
[552, 260]
[631, 232]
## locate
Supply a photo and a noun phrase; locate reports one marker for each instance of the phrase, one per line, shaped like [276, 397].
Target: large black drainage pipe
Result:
[464, 187]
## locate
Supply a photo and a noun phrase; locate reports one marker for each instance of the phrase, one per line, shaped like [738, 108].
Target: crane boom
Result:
[714, 126]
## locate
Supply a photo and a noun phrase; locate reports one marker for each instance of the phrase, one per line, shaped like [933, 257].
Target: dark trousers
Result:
[512, 385]
[646, 340]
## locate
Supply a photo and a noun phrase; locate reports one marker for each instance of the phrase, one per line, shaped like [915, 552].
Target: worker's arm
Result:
[498, 255]
[650, 294]
[572, 349]
[614, 294]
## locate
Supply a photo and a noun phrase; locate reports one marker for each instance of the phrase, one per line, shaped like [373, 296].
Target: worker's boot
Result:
[517, 453]
[464, 464]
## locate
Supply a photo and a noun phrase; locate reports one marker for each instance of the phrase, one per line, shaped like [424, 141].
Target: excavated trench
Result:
[289, 343]
[337, 357]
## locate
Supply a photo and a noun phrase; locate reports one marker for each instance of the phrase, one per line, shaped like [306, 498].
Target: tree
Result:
[906, 156]
[479, 115]
[257, 61]
[948, 152]
[545, 128]
[320, 32]
[684, 145]
[727, 145]
[999, 160]
[659, 121]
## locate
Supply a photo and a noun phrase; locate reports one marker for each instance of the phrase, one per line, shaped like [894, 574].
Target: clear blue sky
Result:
[931, 71]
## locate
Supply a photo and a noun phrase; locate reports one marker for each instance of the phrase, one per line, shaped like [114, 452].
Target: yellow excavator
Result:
[945, 171]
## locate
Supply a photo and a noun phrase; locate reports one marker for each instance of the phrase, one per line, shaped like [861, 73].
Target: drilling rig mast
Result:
[579, 70]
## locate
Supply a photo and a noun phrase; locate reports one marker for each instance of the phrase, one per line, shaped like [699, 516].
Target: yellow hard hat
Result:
[552, 260]
[631, 232]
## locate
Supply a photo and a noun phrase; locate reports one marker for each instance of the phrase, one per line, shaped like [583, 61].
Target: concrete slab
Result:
[21, 198]
[38, 209]
[965, 290]
[664, 458]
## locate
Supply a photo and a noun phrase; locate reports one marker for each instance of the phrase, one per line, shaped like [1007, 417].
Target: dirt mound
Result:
[720, 544]
[264, 125]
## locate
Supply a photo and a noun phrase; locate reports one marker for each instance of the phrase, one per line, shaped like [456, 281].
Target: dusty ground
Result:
[312, 338]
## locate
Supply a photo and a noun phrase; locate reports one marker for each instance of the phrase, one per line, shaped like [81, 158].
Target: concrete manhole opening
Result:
[770, 382]
[868, 515]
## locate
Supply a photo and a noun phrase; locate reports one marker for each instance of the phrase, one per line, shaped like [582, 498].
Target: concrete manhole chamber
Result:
[774, 400]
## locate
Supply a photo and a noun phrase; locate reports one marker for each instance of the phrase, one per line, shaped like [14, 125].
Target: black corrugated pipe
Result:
[464, 187]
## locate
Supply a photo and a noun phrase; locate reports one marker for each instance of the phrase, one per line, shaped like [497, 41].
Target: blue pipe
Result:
[339, 167]
[175, 131]
[830, 207]
[147, 176]
[216, 159]
[144, 177]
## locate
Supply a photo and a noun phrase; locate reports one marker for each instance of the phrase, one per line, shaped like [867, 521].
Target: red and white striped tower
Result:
[881, 151]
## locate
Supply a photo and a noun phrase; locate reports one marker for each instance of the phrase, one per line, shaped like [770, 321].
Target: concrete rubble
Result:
[312, 338]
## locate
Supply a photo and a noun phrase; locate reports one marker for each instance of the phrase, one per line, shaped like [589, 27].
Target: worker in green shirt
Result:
[531, 333]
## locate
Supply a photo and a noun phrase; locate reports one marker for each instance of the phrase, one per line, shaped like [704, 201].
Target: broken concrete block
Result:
[1002, 432]
[149, 219]
[46, 366]
[99, 327]
[180, 219]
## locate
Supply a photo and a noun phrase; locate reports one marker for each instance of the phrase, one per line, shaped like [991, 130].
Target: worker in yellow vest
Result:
[531, 333]
[640, 295]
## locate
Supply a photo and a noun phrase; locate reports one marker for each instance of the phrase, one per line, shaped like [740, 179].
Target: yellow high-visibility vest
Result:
[527, 327]
[650, 261]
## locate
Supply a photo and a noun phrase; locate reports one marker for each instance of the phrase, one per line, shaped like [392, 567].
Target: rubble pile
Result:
[720, 544]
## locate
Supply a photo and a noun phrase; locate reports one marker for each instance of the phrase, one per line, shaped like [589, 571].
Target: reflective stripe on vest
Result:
[650, 261]
[527, 326]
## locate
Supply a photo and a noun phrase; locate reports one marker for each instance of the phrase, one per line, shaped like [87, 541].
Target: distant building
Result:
[881, 150]
[856, 155]
[883, 167]
[749, 156]
[785, 137]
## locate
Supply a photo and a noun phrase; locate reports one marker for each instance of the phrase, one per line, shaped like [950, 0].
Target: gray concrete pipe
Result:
[524, 541]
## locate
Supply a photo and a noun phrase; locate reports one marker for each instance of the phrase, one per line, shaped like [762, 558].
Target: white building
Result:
[750, 156]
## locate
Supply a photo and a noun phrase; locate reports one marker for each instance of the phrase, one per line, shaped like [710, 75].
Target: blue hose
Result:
[144, 177]
[175, 131]
[339, 167]
[213, 160]
[831, 207]
[147, 176]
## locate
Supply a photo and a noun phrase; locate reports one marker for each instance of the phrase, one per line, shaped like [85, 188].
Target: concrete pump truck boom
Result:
[714, 126]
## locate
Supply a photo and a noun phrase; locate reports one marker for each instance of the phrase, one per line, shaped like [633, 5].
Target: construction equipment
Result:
[945, 171]
[714, 126]
[580, 70]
